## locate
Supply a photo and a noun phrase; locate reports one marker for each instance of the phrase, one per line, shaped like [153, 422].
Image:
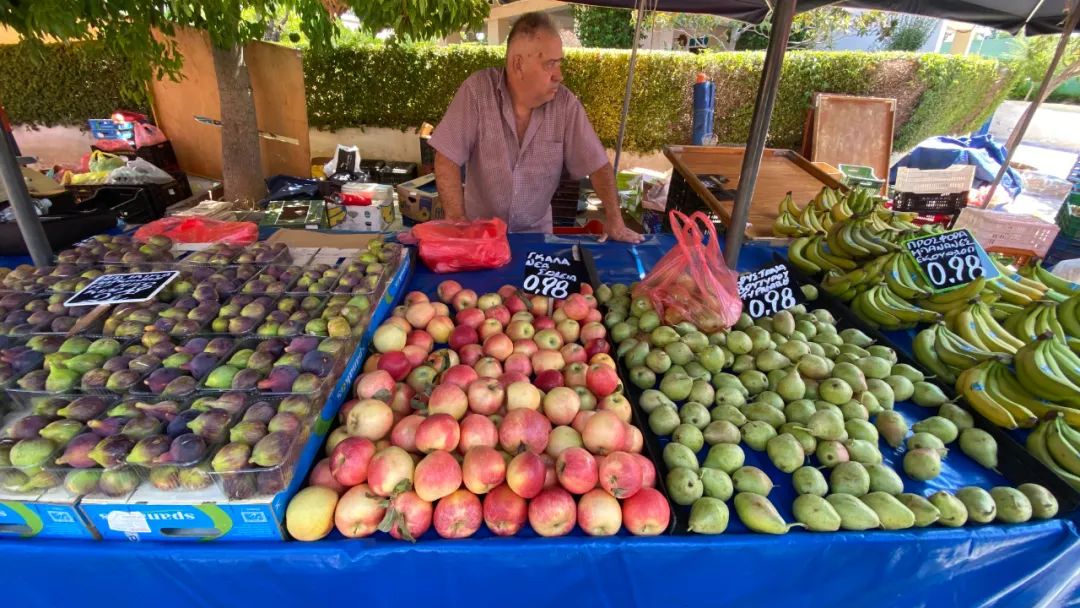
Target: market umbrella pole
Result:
[759, 127]
[29, 223]
[1029, 113]
[629, 85]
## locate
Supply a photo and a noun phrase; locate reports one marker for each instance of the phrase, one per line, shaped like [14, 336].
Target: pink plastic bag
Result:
[692, 283]
[200, 230]
[447, 246]
[148, 135]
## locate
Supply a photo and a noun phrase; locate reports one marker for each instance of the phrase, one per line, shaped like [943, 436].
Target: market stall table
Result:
[972, 566]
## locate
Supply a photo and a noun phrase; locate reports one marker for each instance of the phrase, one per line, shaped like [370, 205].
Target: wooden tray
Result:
[781, 171]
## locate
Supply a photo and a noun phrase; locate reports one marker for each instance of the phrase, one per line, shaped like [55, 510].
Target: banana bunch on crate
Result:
[817, 216]
[1057, 445]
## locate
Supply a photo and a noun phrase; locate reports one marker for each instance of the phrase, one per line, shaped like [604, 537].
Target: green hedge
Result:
[403, 86]
[65, 84]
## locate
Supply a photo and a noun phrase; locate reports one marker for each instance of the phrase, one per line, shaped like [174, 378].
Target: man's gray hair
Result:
[529, 24]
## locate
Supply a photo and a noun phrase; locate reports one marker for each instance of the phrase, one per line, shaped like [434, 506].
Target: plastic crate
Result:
[1068, 217]
[107, 128]
[394, 173]
[1009, 234]
[859, 176]
[934, 191]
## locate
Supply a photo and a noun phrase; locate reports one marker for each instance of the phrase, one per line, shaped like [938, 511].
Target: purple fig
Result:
[148, 449]
[112, 451]
[246, 379]
[165, 477]
[186, 303]
[27, 427]
[280, 380]
[161, 350]
[123, 380]
[200, 364]
[272, 450]
[184, 450]
[306, 382]
[61, 431]
[81, 483]
[62, 324]
[142, 427]
[205, 293]
[149, 363]
[240, 357]
[261, 411]
[211, 425]
[84, 408]
[178, 425]
[163, 325]
[194, 346]
[300, 406]
[33, 381]
[186, 327]
[284, 422]
[162, 410]
[274, 346]
[116, 364]
[95, 379]
[160, 378]
[289, 360]
[270, 482]
[318, 363]
[239, 486]
[261, 361]
[231, 457]
[219, 346]
[119, 482]
[176, 360]
[180, 387]
[77, 452]
[232, 402]
[194, 478]
[302, 344]
[107, 426]
[248, 432]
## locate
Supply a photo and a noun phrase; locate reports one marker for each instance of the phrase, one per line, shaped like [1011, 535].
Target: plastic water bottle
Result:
[704, 106]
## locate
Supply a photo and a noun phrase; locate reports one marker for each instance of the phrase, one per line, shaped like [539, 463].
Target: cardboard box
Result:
[419, 199]
[51, 514]
[310, 215]
[150, 514]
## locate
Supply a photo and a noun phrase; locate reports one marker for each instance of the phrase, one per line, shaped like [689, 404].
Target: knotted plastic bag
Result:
[450, 246]
[199, 230]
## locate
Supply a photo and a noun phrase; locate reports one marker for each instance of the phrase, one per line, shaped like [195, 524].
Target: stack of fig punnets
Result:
[500, 413]
[816, 402]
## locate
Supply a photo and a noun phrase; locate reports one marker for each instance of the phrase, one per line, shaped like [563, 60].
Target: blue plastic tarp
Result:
[944, 152]
[1016, 565]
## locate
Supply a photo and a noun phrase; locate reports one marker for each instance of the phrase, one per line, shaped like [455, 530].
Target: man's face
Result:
[538, 68]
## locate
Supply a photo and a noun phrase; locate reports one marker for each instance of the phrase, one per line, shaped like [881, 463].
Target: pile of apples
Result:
[496, 409]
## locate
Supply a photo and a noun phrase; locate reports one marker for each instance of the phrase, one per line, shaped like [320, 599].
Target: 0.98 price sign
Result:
[950, 259]
[767, 291]
[552, 275]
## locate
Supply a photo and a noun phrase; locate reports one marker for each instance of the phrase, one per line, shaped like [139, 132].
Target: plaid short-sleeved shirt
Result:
[502, 179]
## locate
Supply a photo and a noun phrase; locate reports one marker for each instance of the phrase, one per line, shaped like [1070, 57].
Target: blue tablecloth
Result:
[1018, 565]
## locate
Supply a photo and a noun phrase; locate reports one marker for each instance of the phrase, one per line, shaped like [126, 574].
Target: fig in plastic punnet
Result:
[184, 450]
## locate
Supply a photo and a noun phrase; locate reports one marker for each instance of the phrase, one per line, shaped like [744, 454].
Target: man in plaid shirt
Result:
[514, 130]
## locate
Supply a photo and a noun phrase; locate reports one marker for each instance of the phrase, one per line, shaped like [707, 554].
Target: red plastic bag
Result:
[200, 230]
[148, 135]
[447, 246]
[692, 283]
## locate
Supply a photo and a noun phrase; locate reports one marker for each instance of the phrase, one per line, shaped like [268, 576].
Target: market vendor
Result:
[514, 130]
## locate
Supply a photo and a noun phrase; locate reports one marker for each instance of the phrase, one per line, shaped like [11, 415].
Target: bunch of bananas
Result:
[946, 353]
[825, 209]
[973, 321]
[1057, 445]
[992, 390]
[1050, 370]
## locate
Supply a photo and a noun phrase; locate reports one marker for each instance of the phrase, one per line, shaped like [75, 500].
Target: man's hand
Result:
[617, 230]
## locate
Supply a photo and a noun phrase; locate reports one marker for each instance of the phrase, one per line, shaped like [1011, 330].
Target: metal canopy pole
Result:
[29, 223]
[783, 13]
[629, 84]
[1029, 113]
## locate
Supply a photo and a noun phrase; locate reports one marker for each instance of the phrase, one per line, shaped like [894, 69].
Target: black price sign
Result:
[768, 290]
[950, 259]
[120, 288]
[555, 275]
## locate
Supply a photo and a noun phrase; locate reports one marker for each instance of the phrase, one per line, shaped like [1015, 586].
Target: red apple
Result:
[460, 375]
[569, 330]
[420, 314]
[421, 338]
[553, 512]
[441, 309]
[561, 405]
[459, 515]
[415, 354]
[574, 353]
[516, 304]
[462, 335]
[416, 513]
[437, 475]
[603, 359]
[547, 359]
[577, 470]
[538, 305]
[466, 298]
[447, 290]
[520, 330]
[616, 404]
[559, 316]
[321, 476]
[542, 323]
[483, 469]
[415, 297]
[581, 419]
[576, 307]
[377, 384]
[507, 291]
[562, 438]
[470, 317]
[470, 354]
[398, 323]
[350, 459]
[372, 362]
[522, 395]
[599, 513]
[601, 380]
[422, 378]
[646, 513]
[648, 471]
[477, 431]
[634, 439]
[401, 400]
[509, 378]
[604, 433]
[440, 328]
[588, 400]
[498, 346]
[390, 337]
[442, 360]
[593, 331]
[525, 474]
[621, 474]
[488, 300]
[389, 469]
[490, 327]
[438, 432]
[485, 395]
[519, 363]
[370, 418]
[548, 379]
[524, 429]
[488, 367]
[500, 313]
[548, 339]
[359, 512]
[504, 511]
[526, 347]
[404, 433]
[448, 399]
[574, 374]
[595, 347]
[522, 315]
[551, 478]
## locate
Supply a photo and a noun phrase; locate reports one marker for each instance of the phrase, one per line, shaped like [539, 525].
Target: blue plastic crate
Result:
[107, 128]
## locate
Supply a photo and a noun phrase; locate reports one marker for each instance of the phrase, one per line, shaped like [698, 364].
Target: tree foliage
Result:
[906, 33]
[605, 28]
[1030, 58]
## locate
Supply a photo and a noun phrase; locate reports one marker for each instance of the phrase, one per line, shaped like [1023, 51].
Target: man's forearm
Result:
[451, 192]
[603, 182]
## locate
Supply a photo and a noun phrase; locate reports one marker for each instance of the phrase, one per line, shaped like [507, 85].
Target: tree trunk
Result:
[241, 158]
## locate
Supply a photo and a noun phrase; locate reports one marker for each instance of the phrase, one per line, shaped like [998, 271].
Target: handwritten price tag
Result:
[767, 291]
[120, 288]
[950, 259]
[552, 275]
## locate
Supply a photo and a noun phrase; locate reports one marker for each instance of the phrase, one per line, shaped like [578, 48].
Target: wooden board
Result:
[277, 82]
[781, 171]
[852, 130]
